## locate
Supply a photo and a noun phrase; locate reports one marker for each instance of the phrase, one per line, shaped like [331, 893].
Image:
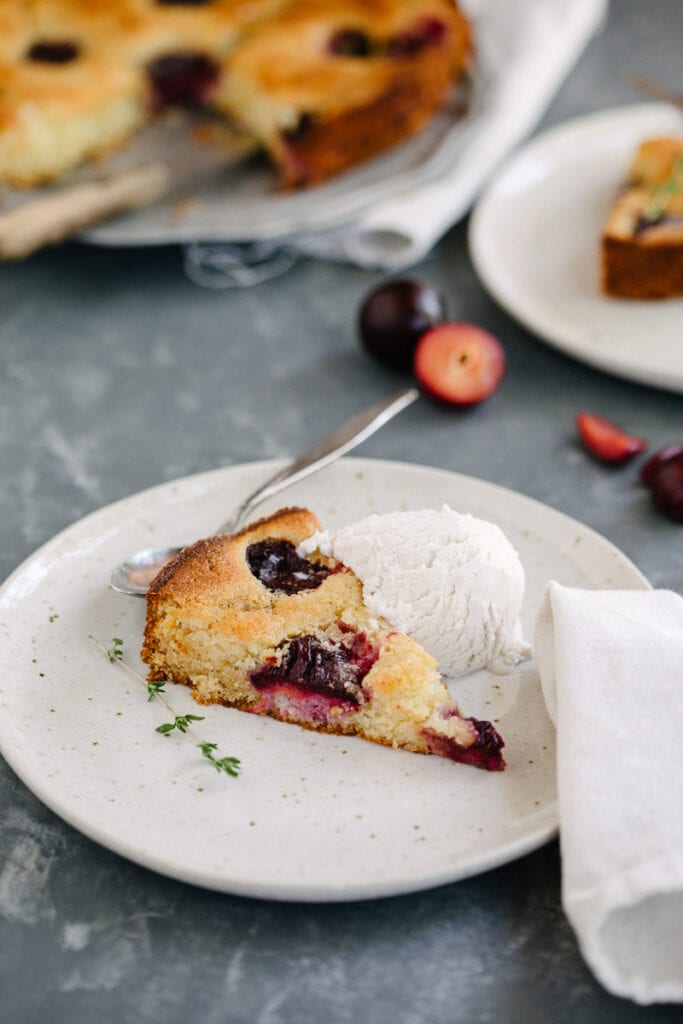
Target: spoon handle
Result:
[343, 440]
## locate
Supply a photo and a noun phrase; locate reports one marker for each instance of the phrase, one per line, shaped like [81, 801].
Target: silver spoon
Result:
[135, 575]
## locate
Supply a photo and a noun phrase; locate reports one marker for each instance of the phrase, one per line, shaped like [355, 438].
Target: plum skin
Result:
[395, 315]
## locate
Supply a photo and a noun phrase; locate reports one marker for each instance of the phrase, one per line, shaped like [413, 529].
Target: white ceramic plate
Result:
[534, 240]
[312, 817]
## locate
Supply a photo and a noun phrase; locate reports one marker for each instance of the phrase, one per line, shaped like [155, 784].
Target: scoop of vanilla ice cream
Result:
[450, 580]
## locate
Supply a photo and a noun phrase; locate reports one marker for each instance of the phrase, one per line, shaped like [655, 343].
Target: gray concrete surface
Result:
[116, 373]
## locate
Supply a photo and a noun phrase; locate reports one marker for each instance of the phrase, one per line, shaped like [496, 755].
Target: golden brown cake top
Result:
[67, 55]
[656, 160]
[324, 55]
[217, 564]
[77, 76]
[658, 168]
[290, 54]
[651, 204]
[212, 28]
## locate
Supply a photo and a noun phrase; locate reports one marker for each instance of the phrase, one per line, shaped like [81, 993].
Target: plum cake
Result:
[319, 84]
[246, 621]
[642, 241]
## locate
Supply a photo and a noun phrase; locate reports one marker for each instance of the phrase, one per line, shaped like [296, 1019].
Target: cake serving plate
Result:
[535, 243]
[311, 816]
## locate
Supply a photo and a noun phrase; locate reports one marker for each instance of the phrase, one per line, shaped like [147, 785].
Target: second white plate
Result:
[312, 817]
[535, 235]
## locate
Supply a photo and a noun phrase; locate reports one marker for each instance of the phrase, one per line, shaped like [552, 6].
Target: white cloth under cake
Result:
[611, 665]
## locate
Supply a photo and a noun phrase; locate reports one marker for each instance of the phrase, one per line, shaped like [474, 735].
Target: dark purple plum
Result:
[323, 666]
[666, 486]
[54, 51]
[350, 42]
[427, 32]
[484, 753]
[394, 317]
[276, 564]
[181, 79]
[649, 469]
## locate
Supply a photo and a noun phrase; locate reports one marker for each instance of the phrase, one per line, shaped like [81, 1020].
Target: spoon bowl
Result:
[135, 574]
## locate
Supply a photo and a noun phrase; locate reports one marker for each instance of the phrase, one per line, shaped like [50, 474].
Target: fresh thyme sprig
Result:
[115, 652]
[665, 192]
[182, 723]
[155, 686]
[229, 765]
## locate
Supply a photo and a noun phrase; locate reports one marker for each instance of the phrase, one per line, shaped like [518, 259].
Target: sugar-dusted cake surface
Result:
[642, 241]
[320, 84]
[245, 621]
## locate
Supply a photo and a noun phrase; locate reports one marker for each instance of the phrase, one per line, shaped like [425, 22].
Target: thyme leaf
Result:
[115, 652]
[229, 765]
[665, 192]
[155, 686]
[182, 723]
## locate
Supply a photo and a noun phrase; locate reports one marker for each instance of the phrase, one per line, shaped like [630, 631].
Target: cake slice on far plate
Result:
[245, 621]
[642, 241]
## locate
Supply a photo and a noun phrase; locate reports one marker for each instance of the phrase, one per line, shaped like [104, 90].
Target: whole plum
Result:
[395, 315]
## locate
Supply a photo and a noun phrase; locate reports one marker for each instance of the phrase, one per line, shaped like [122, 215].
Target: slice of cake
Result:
[245, 621]
[642, 241]
[325, 84]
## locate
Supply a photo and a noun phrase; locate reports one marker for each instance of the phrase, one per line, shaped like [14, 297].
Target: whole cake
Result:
[642, 241]
[319, 84]
[246, 621]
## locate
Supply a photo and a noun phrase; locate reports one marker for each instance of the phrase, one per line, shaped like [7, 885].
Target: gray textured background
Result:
[116, 373]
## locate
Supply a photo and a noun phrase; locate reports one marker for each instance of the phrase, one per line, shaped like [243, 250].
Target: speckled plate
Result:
[312, 817]
[535, 242]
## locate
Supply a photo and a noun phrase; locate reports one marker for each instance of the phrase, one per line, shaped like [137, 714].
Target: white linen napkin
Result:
[611, 665]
